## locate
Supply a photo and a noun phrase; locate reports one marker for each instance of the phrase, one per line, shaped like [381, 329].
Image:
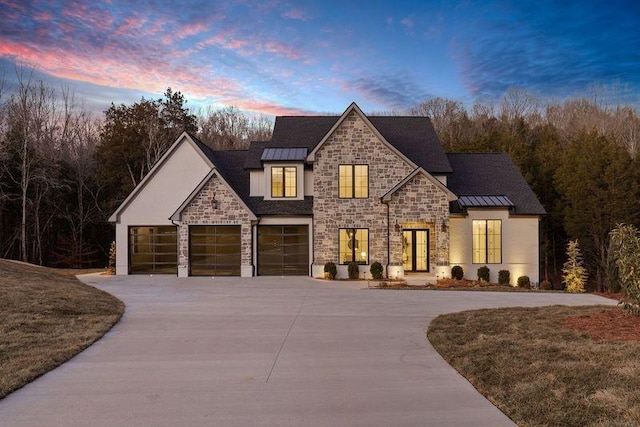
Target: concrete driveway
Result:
[266, 352]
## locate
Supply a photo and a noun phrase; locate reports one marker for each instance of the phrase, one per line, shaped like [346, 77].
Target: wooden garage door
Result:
[283, 250]
[215, 250]
[153, 250]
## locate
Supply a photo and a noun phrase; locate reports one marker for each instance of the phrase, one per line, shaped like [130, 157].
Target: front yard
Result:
[47, 317]
[550, 365]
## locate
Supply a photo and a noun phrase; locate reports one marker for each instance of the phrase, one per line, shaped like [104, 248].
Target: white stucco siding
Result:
[160, 196]
[520, 244]
[257, 185]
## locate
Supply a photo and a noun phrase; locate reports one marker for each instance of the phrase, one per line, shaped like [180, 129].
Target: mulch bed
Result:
[613, 324]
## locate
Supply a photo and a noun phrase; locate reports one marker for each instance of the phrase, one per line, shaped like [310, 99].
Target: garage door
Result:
[283, 250]
[214, 250]
[153, 250]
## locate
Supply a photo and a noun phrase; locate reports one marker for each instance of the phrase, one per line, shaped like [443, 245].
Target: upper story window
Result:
[284, 181]
[353, 181]
[487, 241]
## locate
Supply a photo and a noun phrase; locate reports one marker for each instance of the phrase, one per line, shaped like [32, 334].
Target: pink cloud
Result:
[281, 49]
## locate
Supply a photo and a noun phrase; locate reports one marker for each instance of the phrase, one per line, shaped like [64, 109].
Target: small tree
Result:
[111, 267]
[575, 275]
[625, 247]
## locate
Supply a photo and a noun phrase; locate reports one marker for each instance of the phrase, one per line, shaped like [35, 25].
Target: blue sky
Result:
[304, 57]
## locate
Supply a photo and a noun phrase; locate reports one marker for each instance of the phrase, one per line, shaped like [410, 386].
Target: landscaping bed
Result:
[47, 317]
[549, 365]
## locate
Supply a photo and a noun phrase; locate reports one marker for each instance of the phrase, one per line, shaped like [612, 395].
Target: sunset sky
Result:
[303, 57]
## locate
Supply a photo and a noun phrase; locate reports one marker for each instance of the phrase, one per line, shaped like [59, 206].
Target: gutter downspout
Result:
[388, 239]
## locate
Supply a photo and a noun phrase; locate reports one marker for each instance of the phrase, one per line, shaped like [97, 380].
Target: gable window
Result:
[354, 245]
[284, 181]
[353, 181]
[487, 241]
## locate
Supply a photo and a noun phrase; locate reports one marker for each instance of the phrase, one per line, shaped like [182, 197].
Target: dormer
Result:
[282, 176]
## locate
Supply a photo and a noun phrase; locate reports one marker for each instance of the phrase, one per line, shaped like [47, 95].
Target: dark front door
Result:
[283, 250]
[415, 254]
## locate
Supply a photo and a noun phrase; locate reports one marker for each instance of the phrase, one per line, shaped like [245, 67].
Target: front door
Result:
[415, 254]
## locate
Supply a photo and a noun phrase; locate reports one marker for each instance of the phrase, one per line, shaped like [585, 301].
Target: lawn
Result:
[47, 317]
[548, 366]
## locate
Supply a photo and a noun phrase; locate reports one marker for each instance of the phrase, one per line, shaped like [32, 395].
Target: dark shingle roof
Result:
[412, 136]
[491, 174]
[259, 206]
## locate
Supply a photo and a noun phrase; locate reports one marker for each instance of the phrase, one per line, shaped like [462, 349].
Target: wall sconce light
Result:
[444, 226]
[214, 202]
[398, 227]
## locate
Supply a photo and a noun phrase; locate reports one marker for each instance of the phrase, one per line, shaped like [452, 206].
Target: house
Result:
[330, 189]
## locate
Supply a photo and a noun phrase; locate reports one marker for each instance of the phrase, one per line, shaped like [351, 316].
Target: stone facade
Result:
[421, 204]
[229, 212]
[353, 142]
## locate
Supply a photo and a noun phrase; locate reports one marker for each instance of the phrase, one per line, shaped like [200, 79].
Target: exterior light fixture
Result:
[214, 202]
[444, 226]
[398, 227]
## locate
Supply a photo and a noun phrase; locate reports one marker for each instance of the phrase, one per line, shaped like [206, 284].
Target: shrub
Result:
[625, 245]
[111, 267]
[457, 272]
[376, 270]
[546, 285]
[575, 275]
[354, 270]
[331, 268]
[504, 277]
[524, 282]
[483, 273]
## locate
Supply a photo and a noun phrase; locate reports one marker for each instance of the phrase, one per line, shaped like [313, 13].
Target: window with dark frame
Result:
[354, 245]
[487, 241]
[284, 181]
[353, 181]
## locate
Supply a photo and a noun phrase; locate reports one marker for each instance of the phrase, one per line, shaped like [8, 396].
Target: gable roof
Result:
[185, 137]
[353, 108]
[177, 215]
[412, 136]
[389, 194]
[491, 174]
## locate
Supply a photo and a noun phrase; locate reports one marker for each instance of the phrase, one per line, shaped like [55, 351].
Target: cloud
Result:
[295, 14]
[407, 22]
[391, 91]
[554, 51]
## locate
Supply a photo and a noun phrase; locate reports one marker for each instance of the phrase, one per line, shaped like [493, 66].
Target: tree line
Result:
[63, 170]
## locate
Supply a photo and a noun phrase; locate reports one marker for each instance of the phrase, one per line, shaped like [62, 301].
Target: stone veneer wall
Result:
[200, 212]
[353, 143]
[421, 201]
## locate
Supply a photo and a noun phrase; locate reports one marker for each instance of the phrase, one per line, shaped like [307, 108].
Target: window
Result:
[353, 181]
[354, 245]
[487, 241]
[284, 182]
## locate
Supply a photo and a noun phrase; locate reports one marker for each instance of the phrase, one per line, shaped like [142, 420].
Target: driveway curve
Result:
[266, 352]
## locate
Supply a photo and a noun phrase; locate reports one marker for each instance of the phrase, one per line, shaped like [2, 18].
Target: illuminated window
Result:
[354, 245]
[353, 181]
[487, 241]
[284, 182]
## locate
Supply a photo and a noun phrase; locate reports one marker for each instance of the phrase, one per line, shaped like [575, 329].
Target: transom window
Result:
[353, 181]
[487, 241]
[354, 245]
[284, 181]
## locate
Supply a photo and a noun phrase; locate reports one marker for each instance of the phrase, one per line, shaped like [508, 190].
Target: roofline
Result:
[354, 108]
[115, 216]
[177, 215]
[386, 198]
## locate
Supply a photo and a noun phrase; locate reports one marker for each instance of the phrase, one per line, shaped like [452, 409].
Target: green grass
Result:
[539, 373]
[47, 317]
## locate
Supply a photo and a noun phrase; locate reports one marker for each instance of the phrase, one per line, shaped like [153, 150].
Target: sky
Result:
[280, 57]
